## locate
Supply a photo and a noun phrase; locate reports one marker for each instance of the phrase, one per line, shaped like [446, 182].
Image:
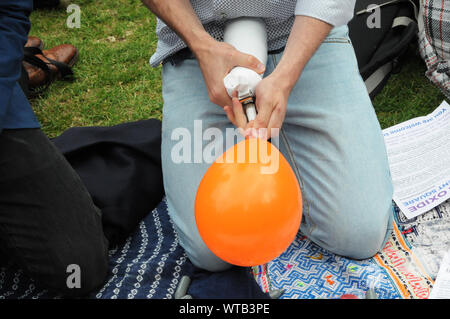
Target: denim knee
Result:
[200, 255]
[206, 260]
[361, 238]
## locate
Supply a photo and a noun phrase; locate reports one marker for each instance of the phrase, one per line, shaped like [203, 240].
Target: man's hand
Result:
[216, 60]
[272, 95]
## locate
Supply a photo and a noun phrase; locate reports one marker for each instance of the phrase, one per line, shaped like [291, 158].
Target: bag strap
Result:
[371, 8]
[377, 77]
[402, 22]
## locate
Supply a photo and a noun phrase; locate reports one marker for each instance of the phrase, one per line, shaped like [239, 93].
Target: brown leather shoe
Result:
[57, 60]
[65, 53]
[34, 42]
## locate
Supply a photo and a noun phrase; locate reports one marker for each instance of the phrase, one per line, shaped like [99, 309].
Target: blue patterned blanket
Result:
[404, 269]
[151, 263]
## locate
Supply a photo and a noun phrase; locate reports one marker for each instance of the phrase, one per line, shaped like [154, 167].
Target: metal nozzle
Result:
[248, 103]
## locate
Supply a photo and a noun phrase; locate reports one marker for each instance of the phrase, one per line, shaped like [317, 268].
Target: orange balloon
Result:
[248, 206]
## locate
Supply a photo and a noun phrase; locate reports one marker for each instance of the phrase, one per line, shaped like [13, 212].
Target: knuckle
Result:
[252, 60]
[278, 109]
[214, 95]
[259, 92]
[231, 53]
[259, 122]
[228, 46]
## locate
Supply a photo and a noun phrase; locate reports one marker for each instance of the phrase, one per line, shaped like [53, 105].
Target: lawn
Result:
[114, 82]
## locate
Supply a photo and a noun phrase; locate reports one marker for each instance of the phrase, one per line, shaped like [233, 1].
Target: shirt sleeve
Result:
[334, 12]
[14, 27]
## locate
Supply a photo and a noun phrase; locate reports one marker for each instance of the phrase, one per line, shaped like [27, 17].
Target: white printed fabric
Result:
[149, 265]
[278, 16]
[429, 235]
[434, 41]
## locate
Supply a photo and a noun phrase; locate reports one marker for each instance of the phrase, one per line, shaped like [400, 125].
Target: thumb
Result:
[250, 62]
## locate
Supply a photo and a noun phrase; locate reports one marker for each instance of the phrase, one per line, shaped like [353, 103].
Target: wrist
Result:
[200, 41]
[286, 77]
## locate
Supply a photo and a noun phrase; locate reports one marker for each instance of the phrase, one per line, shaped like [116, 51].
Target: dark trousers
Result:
[49, 225]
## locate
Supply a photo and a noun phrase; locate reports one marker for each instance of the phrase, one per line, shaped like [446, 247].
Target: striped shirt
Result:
[277, 14]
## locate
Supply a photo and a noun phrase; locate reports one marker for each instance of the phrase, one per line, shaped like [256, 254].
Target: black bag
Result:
[45, 4]
[380, 43]
[121, 168]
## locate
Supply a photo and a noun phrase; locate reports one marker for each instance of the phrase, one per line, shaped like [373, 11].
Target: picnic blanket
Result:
[151, 263]
[405, 269]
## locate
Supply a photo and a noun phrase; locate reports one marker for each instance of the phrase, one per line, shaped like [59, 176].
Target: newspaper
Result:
[419, 158]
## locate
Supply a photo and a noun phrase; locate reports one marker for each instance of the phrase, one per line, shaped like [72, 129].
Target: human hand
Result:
[272, 95]
[272, 92]
[216, 60]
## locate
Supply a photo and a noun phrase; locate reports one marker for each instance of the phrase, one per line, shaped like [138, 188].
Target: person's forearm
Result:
[306, 36]
[182, 19]
[216, 59]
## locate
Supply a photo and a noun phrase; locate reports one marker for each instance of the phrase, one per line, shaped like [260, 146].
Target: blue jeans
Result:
[331, 137]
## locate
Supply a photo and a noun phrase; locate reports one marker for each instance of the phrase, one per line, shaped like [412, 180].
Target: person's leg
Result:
[332, 139]
[185, 101]
[47, 218]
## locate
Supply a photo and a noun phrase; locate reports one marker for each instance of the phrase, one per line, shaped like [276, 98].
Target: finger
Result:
[264, 112]
[238, 112]
[248, 130]
[232, 118]
[224, 100]
[262, 119]
[250, 62]
[276, 121]
[219, 95]
[230, 115]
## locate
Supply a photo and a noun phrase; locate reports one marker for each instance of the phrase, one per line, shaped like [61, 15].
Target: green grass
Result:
[115, 84]
[407, 94]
